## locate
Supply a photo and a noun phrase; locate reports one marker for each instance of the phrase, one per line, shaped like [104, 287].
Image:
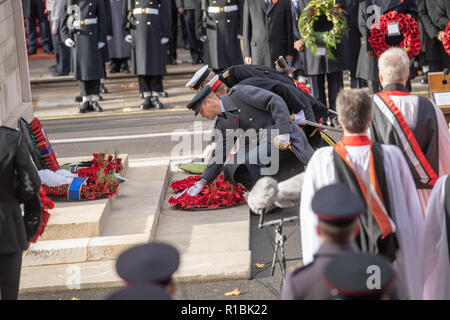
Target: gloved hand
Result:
[240, 36]
[129, 38]
[101, 45]
[164, 40]
[69, 43]
[300, 118]
[208, 153]
[203, 38]
[109, 38]
[282, 141]
[195, 189]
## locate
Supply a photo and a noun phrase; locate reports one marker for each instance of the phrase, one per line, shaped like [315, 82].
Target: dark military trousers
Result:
[10, 266]
[90, 87]
[173, 43]
[150, 83]
[317, 84]
[37, 13]
[62, 53]
[195, 45]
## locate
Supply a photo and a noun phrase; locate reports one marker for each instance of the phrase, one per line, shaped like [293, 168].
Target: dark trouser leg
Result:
[334, 85]
[57, 47]
[10, 267]
[373, 86]
[32, 35]
[355, 82]
[89, 88]
[317, 87]
[194, 44]
[44, 28]
[173, 37]
[65, 56]
[149, 83]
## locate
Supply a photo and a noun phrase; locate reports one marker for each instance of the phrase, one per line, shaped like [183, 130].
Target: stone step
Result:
[79, 219]
[131, 220]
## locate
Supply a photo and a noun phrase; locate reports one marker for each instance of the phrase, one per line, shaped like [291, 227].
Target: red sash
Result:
[385, 96]
[377, 207]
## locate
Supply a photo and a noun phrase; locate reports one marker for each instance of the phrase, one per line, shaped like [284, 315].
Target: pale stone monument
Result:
[15, 92]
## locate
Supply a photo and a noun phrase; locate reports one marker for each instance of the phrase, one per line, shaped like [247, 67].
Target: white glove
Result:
[129, 38]
[69, 43]
[195, 189]
[240, 36]
[109, 38]
[164, 40]
[101, 45]
[290, 191]
[300, 118]
[263, 195]
[203, 38]
[207, 154]
[282, 140]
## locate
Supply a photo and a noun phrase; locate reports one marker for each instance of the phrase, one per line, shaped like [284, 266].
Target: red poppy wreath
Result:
[446, 40]
[218, 194]
[409, 29]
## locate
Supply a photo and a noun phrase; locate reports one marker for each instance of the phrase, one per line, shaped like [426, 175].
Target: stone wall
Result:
[15, 92]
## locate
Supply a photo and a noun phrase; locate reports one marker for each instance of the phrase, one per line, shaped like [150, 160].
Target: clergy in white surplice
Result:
[392, 225]
[412, 123]
[434, 257]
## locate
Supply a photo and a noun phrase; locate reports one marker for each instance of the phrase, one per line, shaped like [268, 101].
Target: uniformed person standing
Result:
[352, 41]
[147, 26]
[337, 207]
[221, 28]
[84, 30]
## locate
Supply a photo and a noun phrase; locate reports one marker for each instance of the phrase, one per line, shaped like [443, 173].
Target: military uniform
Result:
[306, 283]
[267, 111]
[222, 25]
[148, 22]
[352, 40]
[87, 23]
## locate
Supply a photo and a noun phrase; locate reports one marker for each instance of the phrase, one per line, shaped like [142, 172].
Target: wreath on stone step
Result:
[219, 194]
[322, 24]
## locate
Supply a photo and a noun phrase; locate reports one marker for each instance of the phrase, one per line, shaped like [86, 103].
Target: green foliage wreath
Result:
[321, 10]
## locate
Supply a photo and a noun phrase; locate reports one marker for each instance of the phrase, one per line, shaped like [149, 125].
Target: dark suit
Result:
[34, 10]
[192, 8]
[441, 20]
[306, 283]
[298, 62]
[352, 40]
[265, 110]
[267, 31]
[320, 68]
[19, 183]
[431, 46]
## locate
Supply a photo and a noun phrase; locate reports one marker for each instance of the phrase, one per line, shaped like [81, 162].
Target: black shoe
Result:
[147, 104]
[114, 69]
[53, 67]
[85, 107]
[31, 52]
[78, 99]
[100, 98]
[96, 107]
[156, 103]
[48, 51]
[58, 74]
[103, 88]
[163, 94]
[124, 68]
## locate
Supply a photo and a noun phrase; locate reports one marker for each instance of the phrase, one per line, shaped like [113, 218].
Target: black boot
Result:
[84, 107]
[147, 104]
[124, 67]
[78, 98]
[103, 88]
[156, 103]
[114, 67]
[96, 107]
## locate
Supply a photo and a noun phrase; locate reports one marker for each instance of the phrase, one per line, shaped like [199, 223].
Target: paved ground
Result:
[148, 134]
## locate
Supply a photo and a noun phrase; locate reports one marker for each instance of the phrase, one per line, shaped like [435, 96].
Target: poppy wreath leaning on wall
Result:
[409, 28]
[47, 204]
[216, 195]
[322, 24]
[100, 180]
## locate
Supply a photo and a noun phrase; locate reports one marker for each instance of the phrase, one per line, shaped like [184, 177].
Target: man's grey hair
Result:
[394, 65]
[354, 108]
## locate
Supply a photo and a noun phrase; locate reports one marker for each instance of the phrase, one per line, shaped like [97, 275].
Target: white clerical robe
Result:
[433, 259]
[405, 209]
[408, 106]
